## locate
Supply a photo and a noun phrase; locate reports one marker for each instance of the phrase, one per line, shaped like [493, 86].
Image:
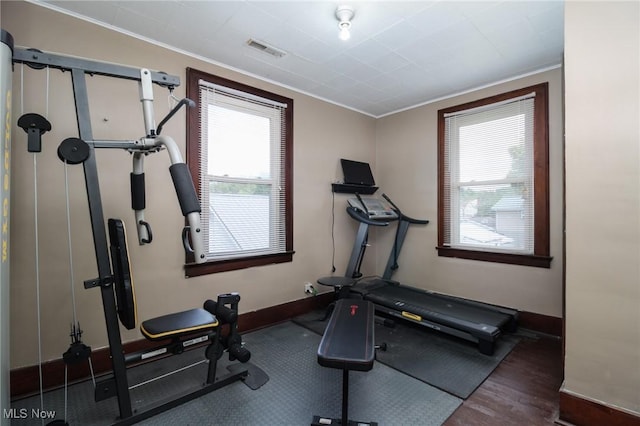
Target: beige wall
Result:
[406, 152]
[323, 133]
[602, 60]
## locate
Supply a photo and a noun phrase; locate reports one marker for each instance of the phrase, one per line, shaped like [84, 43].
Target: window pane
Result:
[239, 144]
[239, 217]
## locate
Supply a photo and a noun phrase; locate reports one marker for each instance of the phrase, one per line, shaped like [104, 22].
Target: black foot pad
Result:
[255, 377]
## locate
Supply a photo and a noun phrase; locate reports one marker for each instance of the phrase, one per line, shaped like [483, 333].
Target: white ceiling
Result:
[401, 53]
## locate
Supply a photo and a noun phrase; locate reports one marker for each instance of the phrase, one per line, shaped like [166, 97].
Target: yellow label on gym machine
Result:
[411, 316]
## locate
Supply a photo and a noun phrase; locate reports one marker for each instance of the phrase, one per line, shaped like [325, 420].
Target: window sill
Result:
[512, 259]
[197, 269]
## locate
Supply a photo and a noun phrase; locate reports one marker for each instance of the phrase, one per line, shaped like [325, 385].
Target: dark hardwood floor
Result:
[523, 390]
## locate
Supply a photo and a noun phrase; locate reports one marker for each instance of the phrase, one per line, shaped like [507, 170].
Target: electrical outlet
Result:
[308, 288]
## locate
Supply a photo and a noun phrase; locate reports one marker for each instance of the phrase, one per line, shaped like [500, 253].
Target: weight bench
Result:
[347, 344]
[176, 332]
[174, 327]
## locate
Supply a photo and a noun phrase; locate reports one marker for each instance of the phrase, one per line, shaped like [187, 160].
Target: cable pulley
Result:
[77, 351]
[35, 54]
[73, 151]
[35, 125]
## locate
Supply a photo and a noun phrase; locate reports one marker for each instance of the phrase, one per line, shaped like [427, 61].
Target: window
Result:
[493, 178]
[239, 152]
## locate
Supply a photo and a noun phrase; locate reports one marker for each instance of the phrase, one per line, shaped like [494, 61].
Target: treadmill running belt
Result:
[414, 299]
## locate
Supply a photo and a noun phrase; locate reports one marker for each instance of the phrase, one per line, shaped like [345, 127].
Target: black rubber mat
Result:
[298, 388]
[448, 363]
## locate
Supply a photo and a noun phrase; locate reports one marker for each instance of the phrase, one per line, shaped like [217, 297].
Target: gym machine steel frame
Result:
[152, 142]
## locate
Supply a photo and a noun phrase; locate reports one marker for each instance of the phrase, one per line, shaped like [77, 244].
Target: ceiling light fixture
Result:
[345, 15]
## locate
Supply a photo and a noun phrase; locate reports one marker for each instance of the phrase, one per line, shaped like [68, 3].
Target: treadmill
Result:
[477, 322]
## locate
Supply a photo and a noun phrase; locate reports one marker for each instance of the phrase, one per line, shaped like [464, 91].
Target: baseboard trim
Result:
[25, 380]
[275, 314]
[583, 412]
[542, 323]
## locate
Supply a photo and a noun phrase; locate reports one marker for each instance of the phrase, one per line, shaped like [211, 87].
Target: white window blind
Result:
[488, 173]
[242, 151]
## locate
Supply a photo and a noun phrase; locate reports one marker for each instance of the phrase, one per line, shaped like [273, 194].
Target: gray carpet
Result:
[297, 389]
[448, 363]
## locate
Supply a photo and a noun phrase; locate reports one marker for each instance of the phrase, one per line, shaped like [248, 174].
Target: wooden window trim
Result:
[541, 255]
[193, 161]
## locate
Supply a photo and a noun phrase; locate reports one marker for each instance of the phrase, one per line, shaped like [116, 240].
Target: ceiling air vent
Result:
[263, 47]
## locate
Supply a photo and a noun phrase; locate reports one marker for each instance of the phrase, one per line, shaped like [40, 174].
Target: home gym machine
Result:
[180, 329]
[474, 321]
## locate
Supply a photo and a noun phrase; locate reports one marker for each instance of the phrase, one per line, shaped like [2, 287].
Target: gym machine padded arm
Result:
[185, 190]
[187, 198]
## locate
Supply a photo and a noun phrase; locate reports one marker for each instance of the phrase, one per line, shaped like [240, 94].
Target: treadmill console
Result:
[375, 208]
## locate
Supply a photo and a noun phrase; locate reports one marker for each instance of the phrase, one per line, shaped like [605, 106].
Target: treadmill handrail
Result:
[411, 220]
[361, 216]
[403, 216]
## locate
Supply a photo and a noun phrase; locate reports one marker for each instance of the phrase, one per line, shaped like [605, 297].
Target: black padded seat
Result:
[348, 344]
[178, 324]
[348, 340]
